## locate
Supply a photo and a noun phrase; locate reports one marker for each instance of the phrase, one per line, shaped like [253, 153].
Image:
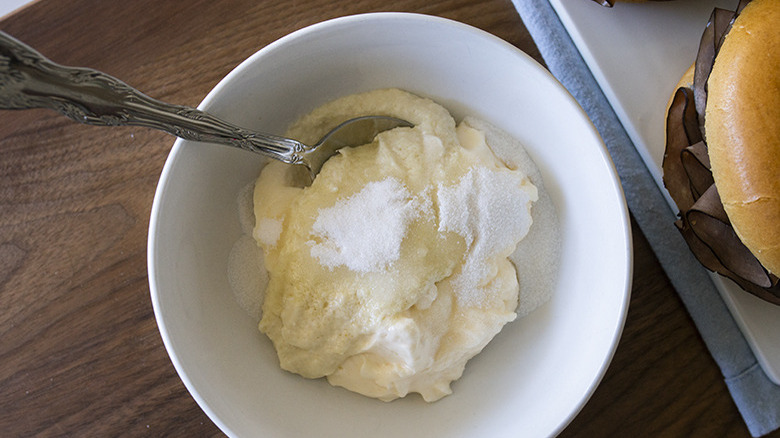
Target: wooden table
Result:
[80, 354]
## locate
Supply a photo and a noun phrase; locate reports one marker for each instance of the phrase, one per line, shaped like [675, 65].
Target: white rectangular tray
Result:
[637, 53]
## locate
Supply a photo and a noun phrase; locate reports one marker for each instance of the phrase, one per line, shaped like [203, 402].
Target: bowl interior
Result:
[532, 378]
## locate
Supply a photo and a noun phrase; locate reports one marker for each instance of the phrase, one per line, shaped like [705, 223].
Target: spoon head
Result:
[353, 132]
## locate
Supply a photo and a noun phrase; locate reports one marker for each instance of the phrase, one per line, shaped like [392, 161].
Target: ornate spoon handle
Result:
[29, 80]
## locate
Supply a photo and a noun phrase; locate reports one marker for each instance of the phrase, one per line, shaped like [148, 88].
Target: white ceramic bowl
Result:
[532, 379]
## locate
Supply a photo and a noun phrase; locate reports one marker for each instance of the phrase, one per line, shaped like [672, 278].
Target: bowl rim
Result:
[227, 80]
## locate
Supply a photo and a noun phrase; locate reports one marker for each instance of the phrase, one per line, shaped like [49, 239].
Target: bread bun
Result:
[723, 118]
[742, 128]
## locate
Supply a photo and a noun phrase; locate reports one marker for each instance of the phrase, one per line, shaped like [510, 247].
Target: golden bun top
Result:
[742, 128]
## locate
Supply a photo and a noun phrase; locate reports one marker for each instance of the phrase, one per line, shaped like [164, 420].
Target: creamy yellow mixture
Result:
[392, 269]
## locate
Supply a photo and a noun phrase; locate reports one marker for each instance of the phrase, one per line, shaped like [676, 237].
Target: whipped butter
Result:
[395, 267]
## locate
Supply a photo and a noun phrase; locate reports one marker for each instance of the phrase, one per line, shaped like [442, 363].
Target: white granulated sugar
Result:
[268, 231]
[247, 275]
[537, 257]
[364, 232]
[490, 210]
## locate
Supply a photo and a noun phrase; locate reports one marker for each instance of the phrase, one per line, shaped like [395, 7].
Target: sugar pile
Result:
[247, 275]
[364, 232]
[483, 207]
[537, 256]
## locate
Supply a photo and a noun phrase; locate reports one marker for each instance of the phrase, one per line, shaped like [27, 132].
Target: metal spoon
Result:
[30, 80]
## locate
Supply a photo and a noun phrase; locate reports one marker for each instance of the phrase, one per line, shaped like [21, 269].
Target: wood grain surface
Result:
[80, 354]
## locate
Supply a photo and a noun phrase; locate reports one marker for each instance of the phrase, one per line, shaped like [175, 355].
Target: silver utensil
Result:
[30, 80]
